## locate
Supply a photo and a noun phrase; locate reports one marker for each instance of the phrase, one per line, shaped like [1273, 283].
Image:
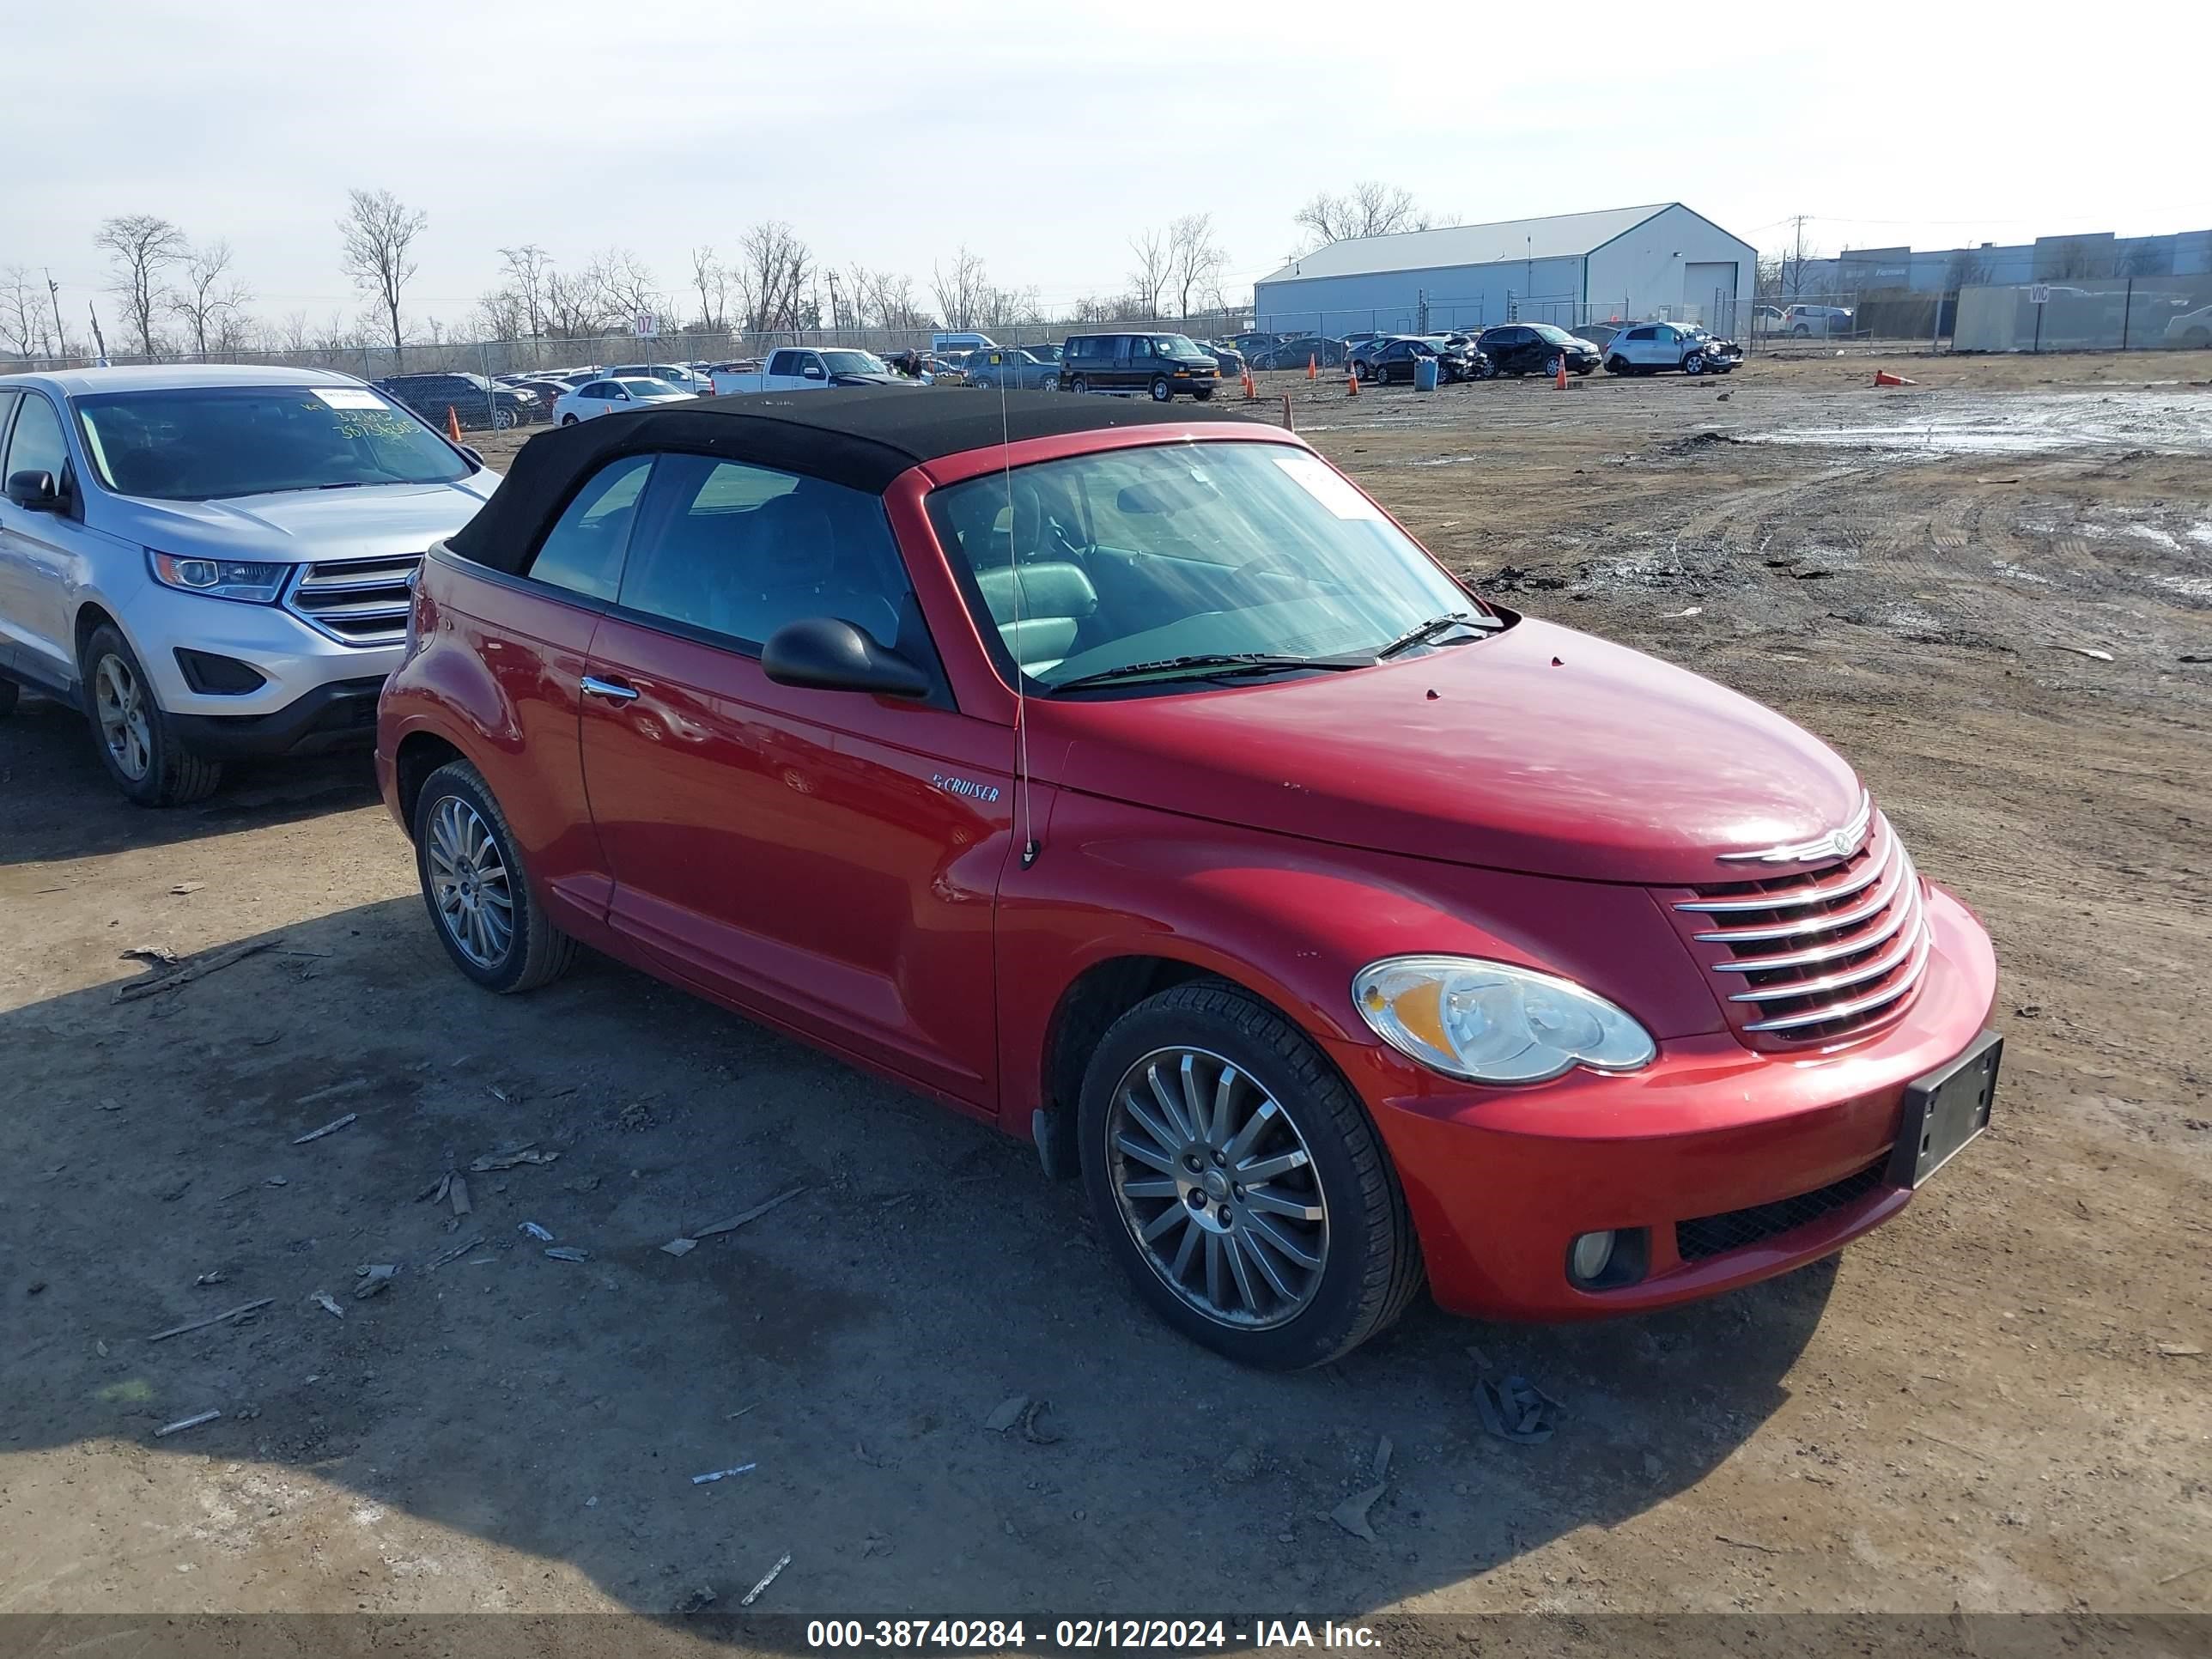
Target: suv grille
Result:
[1716, 1235]
[356, 601]
[1814, 955]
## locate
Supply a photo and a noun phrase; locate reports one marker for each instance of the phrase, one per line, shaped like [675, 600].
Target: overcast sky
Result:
[1043, 134]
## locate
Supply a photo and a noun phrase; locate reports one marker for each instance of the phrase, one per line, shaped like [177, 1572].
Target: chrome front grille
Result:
[356, 601]
[1815, 957]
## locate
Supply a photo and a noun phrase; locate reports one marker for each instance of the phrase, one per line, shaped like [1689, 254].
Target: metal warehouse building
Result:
[1659, 262]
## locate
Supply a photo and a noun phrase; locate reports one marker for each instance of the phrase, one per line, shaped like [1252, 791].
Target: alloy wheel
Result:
[1217, 1188]
[469, 884]
[119, 700]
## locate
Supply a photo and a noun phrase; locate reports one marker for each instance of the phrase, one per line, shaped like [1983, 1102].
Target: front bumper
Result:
[337, 714]
[1501, 1182]
[293, 660]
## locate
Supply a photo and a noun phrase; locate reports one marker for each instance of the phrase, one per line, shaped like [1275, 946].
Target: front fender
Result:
[1294, 920]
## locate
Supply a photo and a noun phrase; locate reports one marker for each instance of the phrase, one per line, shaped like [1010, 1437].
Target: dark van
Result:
[1160, 365]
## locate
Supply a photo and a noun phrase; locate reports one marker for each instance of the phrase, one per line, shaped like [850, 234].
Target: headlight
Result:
[221, 579]
[1488, 1022]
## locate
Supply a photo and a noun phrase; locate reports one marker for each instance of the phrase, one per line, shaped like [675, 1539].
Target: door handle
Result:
[612, 691]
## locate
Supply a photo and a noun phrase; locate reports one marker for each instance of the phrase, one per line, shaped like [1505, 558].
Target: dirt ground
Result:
[1999, 1403]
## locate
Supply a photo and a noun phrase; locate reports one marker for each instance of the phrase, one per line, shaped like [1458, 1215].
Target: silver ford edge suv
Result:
[214, 561]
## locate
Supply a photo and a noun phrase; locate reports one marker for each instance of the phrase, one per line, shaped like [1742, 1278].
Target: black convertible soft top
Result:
[860, 437]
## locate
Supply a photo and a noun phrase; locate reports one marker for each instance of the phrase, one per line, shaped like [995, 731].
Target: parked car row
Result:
[690, 692]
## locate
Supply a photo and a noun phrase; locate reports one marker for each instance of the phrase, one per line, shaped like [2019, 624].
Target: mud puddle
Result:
[2175, 423]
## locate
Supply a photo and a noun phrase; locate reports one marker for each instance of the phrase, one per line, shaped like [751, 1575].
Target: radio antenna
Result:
[1024, 814]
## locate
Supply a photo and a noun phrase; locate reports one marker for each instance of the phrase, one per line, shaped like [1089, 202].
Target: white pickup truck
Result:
[811, 368]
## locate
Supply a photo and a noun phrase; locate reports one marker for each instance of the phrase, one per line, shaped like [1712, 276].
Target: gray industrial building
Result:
[1659, 261]
[2093, 258]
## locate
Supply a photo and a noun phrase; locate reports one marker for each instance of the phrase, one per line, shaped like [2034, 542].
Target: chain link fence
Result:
[2122, 313]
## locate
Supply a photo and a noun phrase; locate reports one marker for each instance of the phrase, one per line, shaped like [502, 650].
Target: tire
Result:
[1369, 1260]
[501, 419]
[1553, 365]
[1693, 363]
[1800, 330]
[1362, 371]
[1163, 389]
[1584, 368]
[568, 420]
[1079, 385]
[454, 806]
[137, 744]
[1616, 365]
[1486, 371]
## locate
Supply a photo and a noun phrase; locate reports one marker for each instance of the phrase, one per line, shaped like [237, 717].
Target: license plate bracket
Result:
[1944, 1110]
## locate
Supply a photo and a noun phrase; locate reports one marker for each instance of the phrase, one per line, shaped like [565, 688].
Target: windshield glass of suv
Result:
[854, 363]
[1556, 336]
[210, 443]
[1135, 556]
[1177, 345]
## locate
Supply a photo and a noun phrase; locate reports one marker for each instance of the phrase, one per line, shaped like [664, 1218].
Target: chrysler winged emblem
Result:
[1837, 843]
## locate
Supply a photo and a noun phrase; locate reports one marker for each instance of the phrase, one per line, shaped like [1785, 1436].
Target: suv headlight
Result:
[221, 579]
[1489, 1022]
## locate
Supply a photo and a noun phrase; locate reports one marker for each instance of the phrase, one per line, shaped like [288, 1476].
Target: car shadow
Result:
[861, 1344]
[64, 806]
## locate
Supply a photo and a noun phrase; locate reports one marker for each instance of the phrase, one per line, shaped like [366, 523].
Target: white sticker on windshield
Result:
[349, 397]
[1325, 486]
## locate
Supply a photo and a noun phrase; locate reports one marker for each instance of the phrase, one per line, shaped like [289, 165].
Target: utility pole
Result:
[99, 343]
[1799, 220]
[833, 320]
[54, 295]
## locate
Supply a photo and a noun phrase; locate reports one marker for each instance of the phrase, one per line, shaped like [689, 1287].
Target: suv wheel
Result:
[1800, 330]
[477, 889]
[138, 745]
[1553, 365]
[501, 419]
[1616, 364]
[1079, 385]
[1693, 363]
[1240, 1183]
[1163, 389]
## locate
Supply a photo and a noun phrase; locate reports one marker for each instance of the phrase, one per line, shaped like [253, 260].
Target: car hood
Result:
[1537, 750]
[376, 520]
[874, 379]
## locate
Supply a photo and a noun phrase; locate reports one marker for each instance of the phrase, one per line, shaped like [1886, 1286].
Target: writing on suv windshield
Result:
[210, 443]
[1151, 564]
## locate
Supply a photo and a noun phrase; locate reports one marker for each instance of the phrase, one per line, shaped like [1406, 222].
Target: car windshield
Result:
[1144, 554]
[1043, 354]
[854, 363]
[209, 443]
[1556, 336]
[642, 387]
[1176, 345]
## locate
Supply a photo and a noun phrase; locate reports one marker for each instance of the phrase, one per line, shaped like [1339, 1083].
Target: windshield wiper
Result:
[1210, 664]
[1436, 625]
[344, 484]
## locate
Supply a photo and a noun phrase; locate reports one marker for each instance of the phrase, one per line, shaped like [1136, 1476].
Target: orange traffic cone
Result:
[1251, 391]
[1352, 383]
[1313, 368]
[1562, 370]
[452, 424]
[1883, 377]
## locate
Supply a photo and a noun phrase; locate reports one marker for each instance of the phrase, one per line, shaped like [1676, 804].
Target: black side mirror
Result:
[35, 492]
[826, 654]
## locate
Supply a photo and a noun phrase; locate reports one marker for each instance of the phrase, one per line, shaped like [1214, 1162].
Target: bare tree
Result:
[2079, 257]
[1149, 277]
[141, 247]
[23, 321]
[1194, 259]
[290, 335]
[380, 230]
[211, 302]
[960, 291]
[891, 302]
[502, 315]
[773, 272]
[1369, 209]
[713, 282]
[630, 286]
[526, 269]
[576, 305]
[1092, 309]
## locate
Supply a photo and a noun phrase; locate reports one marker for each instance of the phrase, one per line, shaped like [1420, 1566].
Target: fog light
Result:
[1590, 1256]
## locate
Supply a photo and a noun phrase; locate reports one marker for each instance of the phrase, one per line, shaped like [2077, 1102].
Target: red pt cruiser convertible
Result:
[1126, 778]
